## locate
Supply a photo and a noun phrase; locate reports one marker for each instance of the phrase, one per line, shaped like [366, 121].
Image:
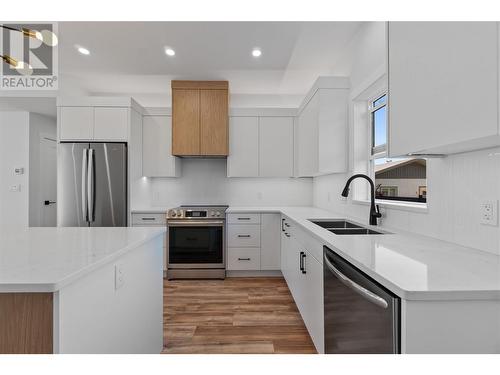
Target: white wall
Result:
[20, 145]
[204, 181]
[14, 146]
[38, 125]
[364, 55]
[456, 184]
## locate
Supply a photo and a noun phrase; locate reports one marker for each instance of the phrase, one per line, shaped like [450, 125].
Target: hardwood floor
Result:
[236, 315]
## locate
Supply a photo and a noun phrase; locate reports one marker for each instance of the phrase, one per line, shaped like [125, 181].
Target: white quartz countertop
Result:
[414, 267]
[47, 259]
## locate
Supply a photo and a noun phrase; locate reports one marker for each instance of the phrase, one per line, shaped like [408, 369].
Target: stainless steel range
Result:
[196, 242]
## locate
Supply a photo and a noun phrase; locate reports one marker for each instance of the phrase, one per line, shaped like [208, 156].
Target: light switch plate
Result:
[489, 213]
[119, 276]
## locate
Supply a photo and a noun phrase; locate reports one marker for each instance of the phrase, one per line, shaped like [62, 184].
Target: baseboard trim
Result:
[276, 273]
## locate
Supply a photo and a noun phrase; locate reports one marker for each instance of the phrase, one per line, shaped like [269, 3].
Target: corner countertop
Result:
[47, 259]
[414, 267]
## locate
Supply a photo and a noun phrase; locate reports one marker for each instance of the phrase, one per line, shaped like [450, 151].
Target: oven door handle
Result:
[199, 223]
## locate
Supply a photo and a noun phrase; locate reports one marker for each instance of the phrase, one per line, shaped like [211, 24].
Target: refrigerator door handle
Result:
[85, 212]
[90, 186]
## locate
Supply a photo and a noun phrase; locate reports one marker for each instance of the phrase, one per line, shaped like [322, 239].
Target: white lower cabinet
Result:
[148, 219]
[270, 245]
[253, 242]
[304, 276]
[243, 258]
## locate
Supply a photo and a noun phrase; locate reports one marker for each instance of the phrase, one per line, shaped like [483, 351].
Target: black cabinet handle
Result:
[304, 262]
[148, 218]
[282, 223]
[243, 218]
[243, 235]
[48, 202]
[243, 258]
[300, 261]
[286, 234]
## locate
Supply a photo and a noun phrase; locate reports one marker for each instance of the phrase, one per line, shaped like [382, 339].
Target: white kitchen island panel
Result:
[103, 288]
[101, 314]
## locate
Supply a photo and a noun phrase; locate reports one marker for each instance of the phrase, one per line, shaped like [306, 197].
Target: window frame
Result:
[380, 149]
[378, 152]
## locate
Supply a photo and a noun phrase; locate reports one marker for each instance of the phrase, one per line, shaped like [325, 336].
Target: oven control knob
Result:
[212, 213]
[217, 213]
[173, 213]
[179, 213]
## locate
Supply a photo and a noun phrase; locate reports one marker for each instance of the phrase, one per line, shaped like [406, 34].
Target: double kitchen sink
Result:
[344, 227]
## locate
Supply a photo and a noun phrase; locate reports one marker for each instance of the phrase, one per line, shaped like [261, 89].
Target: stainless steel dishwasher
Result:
[361, 316]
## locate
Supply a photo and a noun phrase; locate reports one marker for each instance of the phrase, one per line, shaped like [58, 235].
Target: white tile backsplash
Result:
[204, 181]
[457, 184]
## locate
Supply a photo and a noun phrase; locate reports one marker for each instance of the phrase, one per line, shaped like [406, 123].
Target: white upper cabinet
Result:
[243, 158]
[111, 123]
[135, 145]
[276, 146]
[260, 146]
[443, 87]
[307, 139]
[76, 123]
[321, 143]
[94, 118]
[332, 131]
[157, 158]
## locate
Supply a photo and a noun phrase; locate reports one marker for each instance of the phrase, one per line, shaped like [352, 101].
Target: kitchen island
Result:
[81, 290]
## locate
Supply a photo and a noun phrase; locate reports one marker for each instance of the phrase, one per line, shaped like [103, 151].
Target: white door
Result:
[48, 182]
[243, 159]
[76, 123]
[110, 124]
[276, 146]
[442, 86]
[270, 237]
[158, 160]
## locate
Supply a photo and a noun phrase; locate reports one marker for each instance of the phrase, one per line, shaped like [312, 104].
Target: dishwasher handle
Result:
[370, 296]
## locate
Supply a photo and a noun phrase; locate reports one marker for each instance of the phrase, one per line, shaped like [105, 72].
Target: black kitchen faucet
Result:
[374, 210]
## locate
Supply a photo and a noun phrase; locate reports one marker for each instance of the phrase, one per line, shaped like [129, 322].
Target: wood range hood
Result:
[200, 118]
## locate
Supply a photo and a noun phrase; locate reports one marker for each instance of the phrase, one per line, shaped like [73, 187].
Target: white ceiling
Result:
[128, 57]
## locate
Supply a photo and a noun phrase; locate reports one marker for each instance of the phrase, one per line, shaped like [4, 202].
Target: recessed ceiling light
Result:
[82, 50]
[256, 52]
[169, 51]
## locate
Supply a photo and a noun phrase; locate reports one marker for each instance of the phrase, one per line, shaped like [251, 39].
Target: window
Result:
[378, 111]
[396, 179]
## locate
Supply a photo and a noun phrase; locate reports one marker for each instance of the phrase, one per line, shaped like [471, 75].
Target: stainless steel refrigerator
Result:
[92, 185]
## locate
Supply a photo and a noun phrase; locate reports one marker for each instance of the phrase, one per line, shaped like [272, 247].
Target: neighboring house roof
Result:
[413, 168]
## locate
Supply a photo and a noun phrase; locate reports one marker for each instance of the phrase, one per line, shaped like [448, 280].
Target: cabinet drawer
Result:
[243, 218]
[243, 235]
[148, 219]
[243, 258]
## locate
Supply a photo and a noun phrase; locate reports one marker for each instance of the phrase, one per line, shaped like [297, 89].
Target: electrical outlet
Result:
[489, 213]
[119, 277]
[15, 188]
